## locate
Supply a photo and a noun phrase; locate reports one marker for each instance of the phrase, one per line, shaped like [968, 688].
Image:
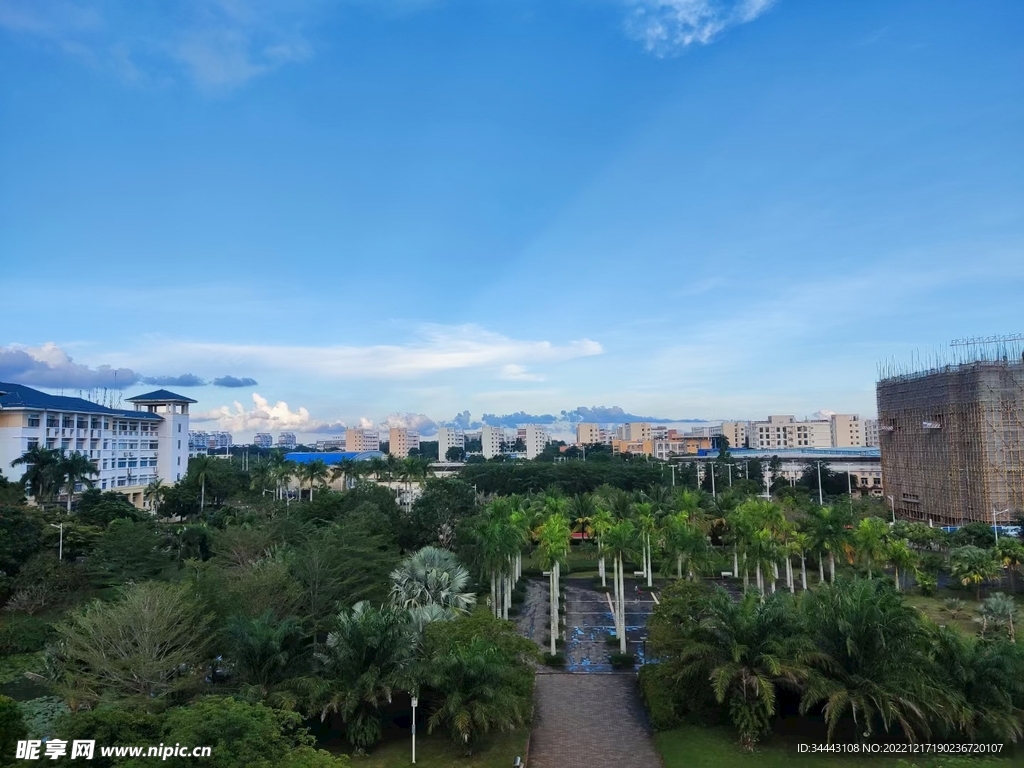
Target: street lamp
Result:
[995, 528]
[415, 701]
[60, 546]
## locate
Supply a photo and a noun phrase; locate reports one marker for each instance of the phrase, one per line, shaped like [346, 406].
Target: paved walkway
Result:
[582, 719]
[590, 721]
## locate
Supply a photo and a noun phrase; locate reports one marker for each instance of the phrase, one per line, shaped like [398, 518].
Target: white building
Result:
[448, 438]
[263, 440]
[401, 441]
[130, 448]
[536, 440]
[336, 443]
[359, 440]
[838, 431]
[218, 440]
[286, 440]
[636, 431]
[735, 432]
[491, 439]
[871, 433]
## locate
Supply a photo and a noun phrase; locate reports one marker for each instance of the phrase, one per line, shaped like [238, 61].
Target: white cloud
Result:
[417, 421]
[218, 44]
[665, 27]
[264, 417]
[51, 367]
[513, 372]
[436, 349]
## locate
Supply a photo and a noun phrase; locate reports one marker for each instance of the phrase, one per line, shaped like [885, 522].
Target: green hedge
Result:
[656, 689]
[24, 634]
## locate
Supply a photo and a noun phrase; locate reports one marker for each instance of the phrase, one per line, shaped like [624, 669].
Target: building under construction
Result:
[952, 433]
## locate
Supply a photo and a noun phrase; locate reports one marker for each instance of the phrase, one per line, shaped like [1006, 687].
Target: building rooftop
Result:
[332, 457]
[20, 396]
[160, 396]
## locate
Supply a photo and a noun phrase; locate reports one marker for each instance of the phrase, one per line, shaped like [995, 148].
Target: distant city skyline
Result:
[308, 214]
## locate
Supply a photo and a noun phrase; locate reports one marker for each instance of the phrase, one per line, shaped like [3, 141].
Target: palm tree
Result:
[154, 494]
[902, 557]
[432, 576]
[799, 543]
[869, 540]
[40, 471]
[264, 652]
[200, 466]
[647, 525]
[479, 693]
[342, 471]
[1011, 553]
[746, 649]
[283, 472]
[553, 538]
[684, 540]
[973, 565]
[600, 522]
[369, 654]
[1000, 609]
[827, 527]
[74, 469]
[621, 543]
[876, 664]
[499, 538]
[313, 472]
[261, 476]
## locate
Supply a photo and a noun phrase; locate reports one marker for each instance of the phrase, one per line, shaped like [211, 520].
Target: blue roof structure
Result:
[160, 396]
[20, 396]
[796, 453]
[334, 457]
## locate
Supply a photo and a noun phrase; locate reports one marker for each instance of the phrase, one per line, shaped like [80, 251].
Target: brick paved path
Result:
[590, 721]
[589, 716]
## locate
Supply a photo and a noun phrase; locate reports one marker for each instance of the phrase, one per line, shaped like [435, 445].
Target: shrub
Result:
[556, 660]
[24, 634]
[12, 728]
[656, 689]
[623, 660]
[927, 583]
[611, 641]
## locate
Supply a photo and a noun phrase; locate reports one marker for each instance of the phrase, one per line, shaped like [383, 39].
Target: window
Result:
[104, 485]
[65, 444]
[82, 424]
[33, 444]
[51, 421]
[179, 463]
[179, 445]
[121, 463]
[179, 427]
[51, 443]
[104, 464]
[106, 444]
[33, 419]
[68, 422]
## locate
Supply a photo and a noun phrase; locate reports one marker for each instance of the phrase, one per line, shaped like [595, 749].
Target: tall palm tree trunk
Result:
[735, 562]
[650, 563]
[789, 575]
[679, 565]
[803, 571]
[202, 495]
[821, 569]
[832, 566]
[622, 609]
[554, 608]
[494, 594]
[760, 580]
[897, 569]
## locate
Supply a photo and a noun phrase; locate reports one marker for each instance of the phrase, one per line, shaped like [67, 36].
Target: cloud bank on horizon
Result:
[51, 367]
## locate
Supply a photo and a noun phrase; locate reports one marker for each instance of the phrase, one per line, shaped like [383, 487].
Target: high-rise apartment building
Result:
[635, 431]
[358, 440]
[592, 434]
[130, 448]
[336, 443]
[491, 439]
[952, 438]
[448, 438]
[787, 432]
[847, 430]
[536, 440]
[286, 440]
[735, 432]
[871, 433]
[401, 441]
[263, 440]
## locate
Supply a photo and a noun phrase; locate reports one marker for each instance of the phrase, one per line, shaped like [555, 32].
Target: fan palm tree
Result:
[600, 522]
[74, 469]
[40, 471]
[1011, 553]
[432, 576]
[1000, 610]
[369, 654]
[973, 565]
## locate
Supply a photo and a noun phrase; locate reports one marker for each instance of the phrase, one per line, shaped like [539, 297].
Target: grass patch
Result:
[439, 751]
[934, 608]
[692, 746]
[15, 666]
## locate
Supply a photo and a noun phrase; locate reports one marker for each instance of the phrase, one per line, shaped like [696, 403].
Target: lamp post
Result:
[60, 545]
[821, 496]
[849, 483]
[995, 528]
[714, 494]
[415, 701]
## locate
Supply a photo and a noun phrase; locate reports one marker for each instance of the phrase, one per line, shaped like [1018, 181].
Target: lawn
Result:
[439, 751]
[704, 747]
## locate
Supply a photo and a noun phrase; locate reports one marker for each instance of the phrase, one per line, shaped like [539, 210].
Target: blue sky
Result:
[689, 208]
